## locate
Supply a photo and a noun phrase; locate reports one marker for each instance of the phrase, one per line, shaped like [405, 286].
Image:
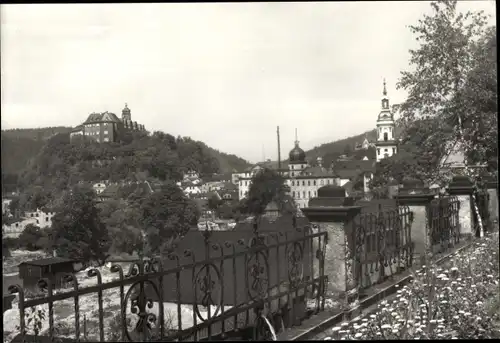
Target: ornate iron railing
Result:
[444, 228]
[231, 288]
[383, 245]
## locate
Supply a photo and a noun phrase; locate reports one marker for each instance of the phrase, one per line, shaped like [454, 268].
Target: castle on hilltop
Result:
[106, 126]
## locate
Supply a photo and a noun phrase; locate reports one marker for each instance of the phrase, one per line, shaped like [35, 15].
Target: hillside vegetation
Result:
[20, 145]
[55, 164]
[21, 149]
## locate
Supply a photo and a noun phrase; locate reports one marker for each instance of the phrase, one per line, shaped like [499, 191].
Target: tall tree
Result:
[267, 185]
[432, 115]
[78, 230]
[165, 214]
[478, 105]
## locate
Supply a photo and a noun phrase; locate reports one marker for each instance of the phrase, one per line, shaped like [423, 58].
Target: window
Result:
[293, 183]
[321, 182]
[314, 193]
[328, 181]
[106, 139]
[385, 137]
[308, 182]
[385, 150]
[293, 194]
[309, 194]
[378, 151]
[46, 218]
[393, 151]
[303, 182]
[304, 194]
[314, 182]
[37, 221]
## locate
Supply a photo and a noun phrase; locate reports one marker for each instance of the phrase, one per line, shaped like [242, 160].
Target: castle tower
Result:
[386, 142]
[126, 115]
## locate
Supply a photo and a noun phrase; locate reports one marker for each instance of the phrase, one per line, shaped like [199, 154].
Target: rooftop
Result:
[100, 117]
[48, 261]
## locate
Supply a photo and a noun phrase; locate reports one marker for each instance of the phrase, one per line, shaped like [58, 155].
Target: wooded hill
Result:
[42, 156]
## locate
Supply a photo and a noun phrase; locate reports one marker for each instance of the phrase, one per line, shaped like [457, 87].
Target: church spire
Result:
[296, 138]
[385, 100]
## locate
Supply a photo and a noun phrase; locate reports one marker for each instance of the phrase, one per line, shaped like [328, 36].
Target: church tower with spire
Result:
[386, 142]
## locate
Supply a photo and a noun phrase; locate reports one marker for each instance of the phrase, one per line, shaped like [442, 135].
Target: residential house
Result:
[38, 218]
[350, 170]
[99, 187]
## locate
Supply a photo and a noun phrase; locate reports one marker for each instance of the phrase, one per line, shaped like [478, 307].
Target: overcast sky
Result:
[226, 74]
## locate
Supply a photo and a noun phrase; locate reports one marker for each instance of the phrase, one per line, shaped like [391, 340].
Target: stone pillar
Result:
[333, 212]
[492, 187]
[418, 200]
[463, 188]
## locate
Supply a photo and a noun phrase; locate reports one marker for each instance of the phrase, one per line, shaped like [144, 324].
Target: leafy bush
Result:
[9, 244]
[30, 236]
[440, 303]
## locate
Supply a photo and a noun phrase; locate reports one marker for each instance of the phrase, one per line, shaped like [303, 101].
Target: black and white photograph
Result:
[249, 171]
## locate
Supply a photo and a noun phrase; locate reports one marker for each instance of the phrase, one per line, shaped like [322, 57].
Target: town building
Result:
[365, 145]
[386, 142]
[106, 126]
[99, 187]
[6, 205]
[190, 188]
[303, 179]
[38, 218]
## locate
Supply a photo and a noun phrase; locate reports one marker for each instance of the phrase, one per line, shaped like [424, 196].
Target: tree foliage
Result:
[478, 104]
[122, 220]
[451, 86]
[214, 202]
[78, 231]
[165, 214]
[30, 237]
[267, 185]
[62, 164]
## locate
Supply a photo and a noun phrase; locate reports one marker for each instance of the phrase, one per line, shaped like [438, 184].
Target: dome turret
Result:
[297, 155]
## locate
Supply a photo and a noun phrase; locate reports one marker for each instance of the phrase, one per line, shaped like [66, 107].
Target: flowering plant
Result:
[452, 301]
